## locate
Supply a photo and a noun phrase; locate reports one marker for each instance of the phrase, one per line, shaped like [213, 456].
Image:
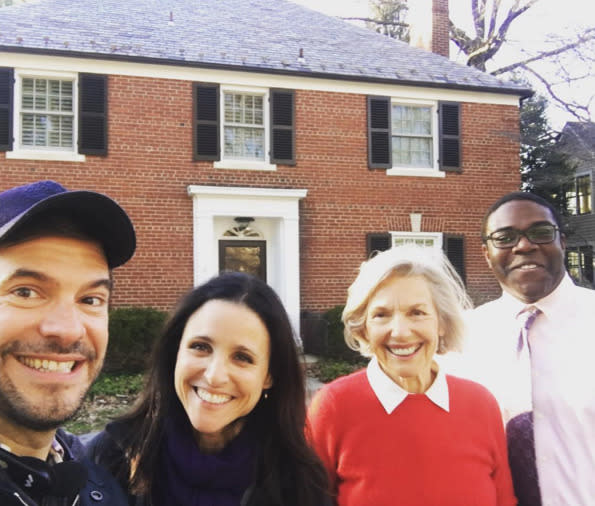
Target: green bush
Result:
[117, 384]
[132, 332]
[336, 347]
[329, 369]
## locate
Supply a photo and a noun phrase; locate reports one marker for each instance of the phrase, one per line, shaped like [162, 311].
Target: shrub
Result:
[132, 332]
[117, 384]
[336, 347]
[329, 369]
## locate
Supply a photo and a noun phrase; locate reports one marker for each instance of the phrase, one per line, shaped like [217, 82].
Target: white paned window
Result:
[425, 239]
[244, 126]
[412, 136]
[577, 195]
[47, 113]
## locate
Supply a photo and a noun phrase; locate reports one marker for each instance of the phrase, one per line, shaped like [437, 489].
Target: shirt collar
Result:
[56, 454]
[513, 305]
[392, 395]
[551, 303]
[559, 299]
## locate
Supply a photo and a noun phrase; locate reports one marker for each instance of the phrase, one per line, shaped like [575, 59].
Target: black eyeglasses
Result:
[542, 233]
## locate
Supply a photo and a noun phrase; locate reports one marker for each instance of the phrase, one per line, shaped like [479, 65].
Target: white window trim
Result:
[576, 178]
[433, 171]
[234, 163]
[244, 165]
[43, 153]
[436, 236]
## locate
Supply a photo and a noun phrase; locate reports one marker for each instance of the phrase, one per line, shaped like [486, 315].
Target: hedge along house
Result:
[255, 135]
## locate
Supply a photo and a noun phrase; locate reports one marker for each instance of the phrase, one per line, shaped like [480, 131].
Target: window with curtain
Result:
[412, 136]
[244, 126]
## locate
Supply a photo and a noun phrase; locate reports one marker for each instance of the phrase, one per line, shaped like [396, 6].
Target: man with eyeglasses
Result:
[534, 347]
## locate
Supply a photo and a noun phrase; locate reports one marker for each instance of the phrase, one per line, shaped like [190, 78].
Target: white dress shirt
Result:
[391, 395]
[562, 343]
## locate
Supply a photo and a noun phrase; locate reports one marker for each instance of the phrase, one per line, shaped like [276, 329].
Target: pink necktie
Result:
[519, 430]
[526, 318]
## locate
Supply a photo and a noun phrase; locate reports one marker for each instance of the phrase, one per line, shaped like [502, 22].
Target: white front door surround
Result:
[276, 212]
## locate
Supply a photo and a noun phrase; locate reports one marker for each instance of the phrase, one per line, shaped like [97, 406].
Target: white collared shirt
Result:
[562, 342]
[391, 395]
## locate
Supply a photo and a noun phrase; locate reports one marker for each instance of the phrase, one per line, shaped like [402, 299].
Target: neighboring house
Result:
[577, 140]
[256, 135]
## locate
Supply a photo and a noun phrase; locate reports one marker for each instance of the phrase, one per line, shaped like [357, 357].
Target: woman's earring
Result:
[266, 394]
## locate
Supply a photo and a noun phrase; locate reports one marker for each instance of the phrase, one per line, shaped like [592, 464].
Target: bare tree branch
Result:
[489, 32]
[580, 112]
[586, 36]
[494, 18]
[478, 9]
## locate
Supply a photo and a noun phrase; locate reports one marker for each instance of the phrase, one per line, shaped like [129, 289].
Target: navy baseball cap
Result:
[100, 217]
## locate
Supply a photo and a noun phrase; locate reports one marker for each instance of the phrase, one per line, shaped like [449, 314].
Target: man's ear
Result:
[563, 240]
[486, 255]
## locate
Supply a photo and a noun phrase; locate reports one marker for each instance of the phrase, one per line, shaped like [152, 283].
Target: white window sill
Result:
[420, 172]
[39, 154]
[244, 165]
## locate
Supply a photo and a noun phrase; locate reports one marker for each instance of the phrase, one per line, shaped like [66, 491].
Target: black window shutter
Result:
[92, 137]
[206, 122]
[450, 137]
[454, 248]
[6, 90]
[376, 242]
[283, 127]
[588, 267]
[379, 133]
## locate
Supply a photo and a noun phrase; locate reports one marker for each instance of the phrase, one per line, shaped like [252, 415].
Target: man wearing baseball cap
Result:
[57, 250]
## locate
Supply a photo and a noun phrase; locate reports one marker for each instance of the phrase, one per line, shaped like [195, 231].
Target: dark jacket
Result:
[100, 488]
[105, 449]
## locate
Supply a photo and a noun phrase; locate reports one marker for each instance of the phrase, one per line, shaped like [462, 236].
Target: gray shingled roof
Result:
[254, 35]
[578, 140]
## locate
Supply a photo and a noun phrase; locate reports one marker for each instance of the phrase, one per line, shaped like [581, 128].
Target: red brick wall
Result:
[440, 27]
[149, 167]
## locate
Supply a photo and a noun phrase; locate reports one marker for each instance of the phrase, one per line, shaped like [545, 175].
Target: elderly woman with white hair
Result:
[401, 432]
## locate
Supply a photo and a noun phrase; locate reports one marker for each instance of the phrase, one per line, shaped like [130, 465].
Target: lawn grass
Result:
[117, 384]
[110, 396]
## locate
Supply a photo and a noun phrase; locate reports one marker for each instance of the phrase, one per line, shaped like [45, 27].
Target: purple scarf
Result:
[191, 478]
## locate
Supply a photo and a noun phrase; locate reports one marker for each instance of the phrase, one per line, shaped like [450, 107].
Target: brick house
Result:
[256, 135]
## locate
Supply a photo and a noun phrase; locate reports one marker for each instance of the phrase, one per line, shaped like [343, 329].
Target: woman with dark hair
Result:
[221, 419]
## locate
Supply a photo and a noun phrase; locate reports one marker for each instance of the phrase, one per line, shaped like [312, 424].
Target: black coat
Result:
[100, 488]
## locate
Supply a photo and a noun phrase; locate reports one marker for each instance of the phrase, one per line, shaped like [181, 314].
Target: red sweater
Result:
[419, 455]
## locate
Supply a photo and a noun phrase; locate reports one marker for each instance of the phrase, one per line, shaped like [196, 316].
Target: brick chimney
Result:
[429, 25]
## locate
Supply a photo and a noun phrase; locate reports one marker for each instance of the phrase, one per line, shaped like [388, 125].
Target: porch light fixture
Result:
[243, 221]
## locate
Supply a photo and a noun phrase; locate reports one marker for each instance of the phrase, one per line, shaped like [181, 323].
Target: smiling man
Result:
[534, 347]
[57, 249]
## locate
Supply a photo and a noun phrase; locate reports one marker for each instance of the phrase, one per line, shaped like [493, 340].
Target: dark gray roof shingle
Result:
[578, 140]
[255, 35]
